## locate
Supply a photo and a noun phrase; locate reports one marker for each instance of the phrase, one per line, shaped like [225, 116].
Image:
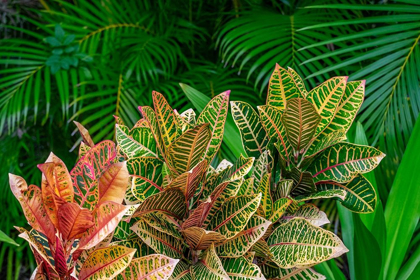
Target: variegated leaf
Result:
[201, 239]
[273, 272]
[152, 122]
[243, 241]
[186, 121]
[279, 208]
[73, 220]
[271, 121]
[209, 267]
[264, 189]
[156, 267]
[343, 161]
[106, 218]
[241, 167]
[224, 164]
[123, 231]
[281, 87]
[166, 119]
[284, 187]
[85, 175]
[163, 223]
[262, 165]
[113, 183]
[139, 143]
[106, 263]
[234, 215]
[309, 212]
[303, 184]
[181, 272]
[241, 269]
[146, 176]
[247, 187]
[135, 242]
[298, 82]
[170, 201]
[254, 137]
[326, 98]
[341, 194]
[324, 141]
[83, 149]
[215, 114]
[85, 134]
[299, 243]
[261, 249]
[189, 149]
[160, 242]
[360, 195]
[40, 249]
[300, 121]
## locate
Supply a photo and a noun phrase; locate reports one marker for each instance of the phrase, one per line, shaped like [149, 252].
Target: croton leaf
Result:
[299, 243]
[181, 272]
[254, 137]
[30, 199]
[156, 267]
[337, 193]
[160, 242]
[234, 215]
[343, 161]
[309, 212]
[146, 173]
[281, 87]
[189, 149]
[360, 194]
[106, 218]
[279, 208]
[264, 189]
[326, 98]
[73, 220]
[168, 122]
[241, 167]
[170, 201]
[262, 165]
[163, 223]
[142, 143]
[243, 241]
[298, 82]
[209, 267]
[85, 134]
[150, 117]
[113, 183]
[83, 149]
[85, 175]
[215, 114]
[106, 263]
[324, 141]
[200, 239]
[300, 121]
[135, 242]
[284, 187]
[271, 121]
[241, 269]
[303, 182]
[247, 187]
[273, 272]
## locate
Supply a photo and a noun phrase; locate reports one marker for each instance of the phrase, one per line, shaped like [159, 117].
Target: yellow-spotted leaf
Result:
[279, 208]
[324, 141]
[146, 173]
[152, 122]
[139, 142]
[241, 269]
[281, 88]
[264, 189]
[166, 119]
[215, 114]
[135, 242]
[300, 121]
[343, 161]
[234, 215]
[156, 267]
[231, 173]
[83, 149]
[189, 149]
[299, 243]
[262, 165]
[201, 239]
[181, 272]
[160, 242]
[209, 267]
[243, 241]
[326, 97]
[113, 183]
[247, 187]
[337, 193]
[273, 272]
[360, 195]
[170, 201]
[271, 121]
[303, 183]
[309, 212]
[261, 249]
[163, 223]
[298, 82]
[85, 134]
[106, 263]
[254, 137]
[40, 249]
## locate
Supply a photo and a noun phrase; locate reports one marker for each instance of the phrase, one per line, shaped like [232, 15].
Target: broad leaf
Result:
[343, 161]
[247, 187]
[303, 182]
[152, 122]
[299, 243]
[284, 187]
[181, 272]
[261, 166]
[201, 239]
[163, 223]
[106, 263]
[209, 267]
[241, 269]
[254, 137]
[272, 271]
[298, 82]
[73, 220]
[166, 119]
[113, 183]
[146, 176]
[309, 212]
[324, 141]
[142, 143]
[279, 208]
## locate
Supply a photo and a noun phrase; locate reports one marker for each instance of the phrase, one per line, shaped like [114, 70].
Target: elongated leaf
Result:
[300, 121]
[181, 272]
[299, 243]
[83, 149]
[264, 189]
[140, 144]
[309, 212]
[234, 215]
[324, 141]
[73, 220]
[156, 267]
[166, 119]
[279, 208]
[341, 194]
[201, 239]
[262, 165]
[215, 114]
[160, 242]
[360, 194]
[281, 88]
[106, 218]
[243, 241]
[135, 242]
[247, 187]
[85, 134]
[170, 201]
[152, 122]
[284, 187]
[326, 98]
[272, 271]
[209, 267]
[343, 161]
[298, 82]
[241, 269]
[147, 176]
[113, 183]
[241, 167]
[106, 263]
[254, 137]
[303, 183]
[189, 149]
[6, 239]
[163, 223]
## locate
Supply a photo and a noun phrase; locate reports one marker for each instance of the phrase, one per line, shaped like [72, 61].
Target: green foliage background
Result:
[126, 49]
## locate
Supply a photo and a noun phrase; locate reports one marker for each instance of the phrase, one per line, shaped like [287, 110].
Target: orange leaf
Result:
[85, 134]
[73, 220]
[113, 183]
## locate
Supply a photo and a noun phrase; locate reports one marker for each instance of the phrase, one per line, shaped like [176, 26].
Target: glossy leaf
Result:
[85, 134]
[241, 269]
[163, 223]
[209, 267]
[272, 271]
[324, 141]
[262, 166]
[303, 182]
[201, 239]
[142, 143]
[181, 272]
[298, 82]
[146, 175]
[113, 183]
[152, 122]
[264, 189]
[166, 119]
[279, 208]
[73, 220]
[309, 212]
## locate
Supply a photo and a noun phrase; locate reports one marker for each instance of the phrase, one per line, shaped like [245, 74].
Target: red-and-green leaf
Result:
[241, 269]
[209, 267]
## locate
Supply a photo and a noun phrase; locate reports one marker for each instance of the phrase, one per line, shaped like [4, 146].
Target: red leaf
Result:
[73, 220]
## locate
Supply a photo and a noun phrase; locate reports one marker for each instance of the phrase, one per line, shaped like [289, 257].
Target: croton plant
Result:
[154, 207]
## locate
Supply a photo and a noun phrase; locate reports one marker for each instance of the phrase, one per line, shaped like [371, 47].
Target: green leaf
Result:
[264, 189]
[303, 183]
[137, 143]
[54, 42]
[209, 267]
[343, 161]
[6, 239]
[254, 137]
[241, 269]
[272, 271]
[279, 208]
[201, 239]
[261, 166]
[324, 141]
[181, 272]
[146, 175]
[309, 212]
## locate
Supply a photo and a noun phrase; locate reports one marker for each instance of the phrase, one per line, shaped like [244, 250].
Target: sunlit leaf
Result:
[73, 220]
[241, 269]
[309, 212]
[209, 267]
[113, 183]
